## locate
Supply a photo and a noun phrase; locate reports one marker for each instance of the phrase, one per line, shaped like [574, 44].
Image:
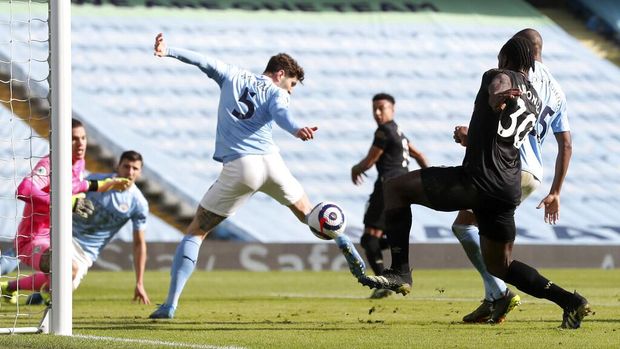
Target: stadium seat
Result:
[165, 109]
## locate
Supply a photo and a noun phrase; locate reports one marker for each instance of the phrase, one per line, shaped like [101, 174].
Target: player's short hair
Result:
[283, 61]
[76, 123]
[131, 155]
[534, 37]
[519, 52]
[381, 96]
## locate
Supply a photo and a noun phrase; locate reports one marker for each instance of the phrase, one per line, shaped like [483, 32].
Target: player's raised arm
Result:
[214, 68]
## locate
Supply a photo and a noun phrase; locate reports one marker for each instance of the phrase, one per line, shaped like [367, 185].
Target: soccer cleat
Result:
[39, 298]
[8, 296]
[164, 311]
[398, 282]
[355, 261]
[502, 306]
[574, 314]
[379, 293]
[481, 314]
[35, 299]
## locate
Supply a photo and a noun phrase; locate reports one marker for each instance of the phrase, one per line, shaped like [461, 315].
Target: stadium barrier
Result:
[216, 255]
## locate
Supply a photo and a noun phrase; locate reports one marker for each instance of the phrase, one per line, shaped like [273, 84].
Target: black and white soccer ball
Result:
[327, 221]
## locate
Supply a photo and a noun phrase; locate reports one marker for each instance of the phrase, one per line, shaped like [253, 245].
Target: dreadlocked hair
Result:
[519, 52]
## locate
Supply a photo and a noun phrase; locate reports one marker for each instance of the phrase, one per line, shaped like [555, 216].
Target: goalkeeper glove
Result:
[82, 206]
[116, 183]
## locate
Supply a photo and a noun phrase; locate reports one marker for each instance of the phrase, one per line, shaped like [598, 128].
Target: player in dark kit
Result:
[390, 153]
[488, 182]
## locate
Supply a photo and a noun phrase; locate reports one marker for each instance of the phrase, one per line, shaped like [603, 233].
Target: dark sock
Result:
[528, 280]
[374, 256]
[398, 224]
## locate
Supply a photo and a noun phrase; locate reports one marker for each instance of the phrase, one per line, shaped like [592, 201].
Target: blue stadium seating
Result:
[602, 16]
[20, 150]
[432, 64]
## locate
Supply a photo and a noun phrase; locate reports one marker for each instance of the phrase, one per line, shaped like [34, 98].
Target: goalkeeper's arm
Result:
[115, 183]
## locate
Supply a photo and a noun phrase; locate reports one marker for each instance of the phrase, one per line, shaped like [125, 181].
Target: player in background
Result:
[113, 210]
[33, 233]
[248, 105]
[489, 182]
[499, 300]
[390, 153]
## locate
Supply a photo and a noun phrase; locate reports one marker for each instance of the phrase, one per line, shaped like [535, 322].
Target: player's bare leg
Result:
[301, 208]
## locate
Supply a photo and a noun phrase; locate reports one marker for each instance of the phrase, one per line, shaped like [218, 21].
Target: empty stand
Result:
[431, 63]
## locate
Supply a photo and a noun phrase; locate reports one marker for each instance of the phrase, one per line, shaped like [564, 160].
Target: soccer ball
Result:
[327, 221]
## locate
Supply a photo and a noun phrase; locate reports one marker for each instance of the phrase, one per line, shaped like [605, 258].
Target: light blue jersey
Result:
[248, 105]
[112, 210]
[552, 118]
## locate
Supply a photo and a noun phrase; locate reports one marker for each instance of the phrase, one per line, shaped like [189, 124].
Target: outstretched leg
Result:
[399, 193]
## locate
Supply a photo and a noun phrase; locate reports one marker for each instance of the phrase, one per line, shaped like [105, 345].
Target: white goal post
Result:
[28, 27]
[60, 103]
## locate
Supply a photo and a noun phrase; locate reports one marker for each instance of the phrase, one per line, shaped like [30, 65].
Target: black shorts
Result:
[374, 217]
[451, 189]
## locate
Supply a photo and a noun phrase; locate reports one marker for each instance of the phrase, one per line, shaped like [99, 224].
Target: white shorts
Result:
[83, 263]
[529, 184]
[243, 177]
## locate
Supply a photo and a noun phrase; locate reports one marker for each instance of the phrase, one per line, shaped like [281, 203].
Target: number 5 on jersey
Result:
[245, 99]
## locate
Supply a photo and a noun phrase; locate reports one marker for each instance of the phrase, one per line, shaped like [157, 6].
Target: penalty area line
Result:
[152, 342]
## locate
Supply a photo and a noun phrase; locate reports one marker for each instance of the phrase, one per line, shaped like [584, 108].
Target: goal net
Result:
[30, 130]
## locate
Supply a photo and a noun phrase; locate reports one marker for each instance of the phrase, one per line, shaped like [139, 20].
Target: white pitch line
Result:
[153, 342]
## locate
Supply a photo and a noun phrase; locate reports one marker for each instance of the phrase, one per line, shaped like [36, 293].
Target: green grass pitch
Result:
[324, 310]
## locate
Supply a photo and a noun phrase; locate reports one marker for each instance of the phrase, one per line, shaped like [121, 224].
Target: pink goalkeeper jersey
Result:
[34, 190]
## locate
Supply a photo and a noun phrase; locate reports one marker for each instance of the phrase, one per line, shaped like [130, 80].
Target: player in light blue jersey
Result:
[248, 105]
[113, 209]
[499, 300]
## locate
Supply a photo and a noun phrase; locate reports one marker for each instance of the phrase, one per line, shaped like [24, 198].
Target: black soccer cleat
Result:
[574, 314]
[502, 306]
[399, 282]
[481, 314]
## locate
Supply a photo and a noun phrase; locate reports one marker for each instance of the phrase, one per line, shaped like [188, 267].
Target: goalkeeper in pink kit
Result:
[32, 241]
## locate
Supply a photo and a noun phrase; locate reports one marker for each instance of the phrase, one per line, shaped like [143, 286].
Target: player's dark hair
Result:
[131, 155]
[283, 61]
[519, 53]
[76, 123]
[381, 96]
